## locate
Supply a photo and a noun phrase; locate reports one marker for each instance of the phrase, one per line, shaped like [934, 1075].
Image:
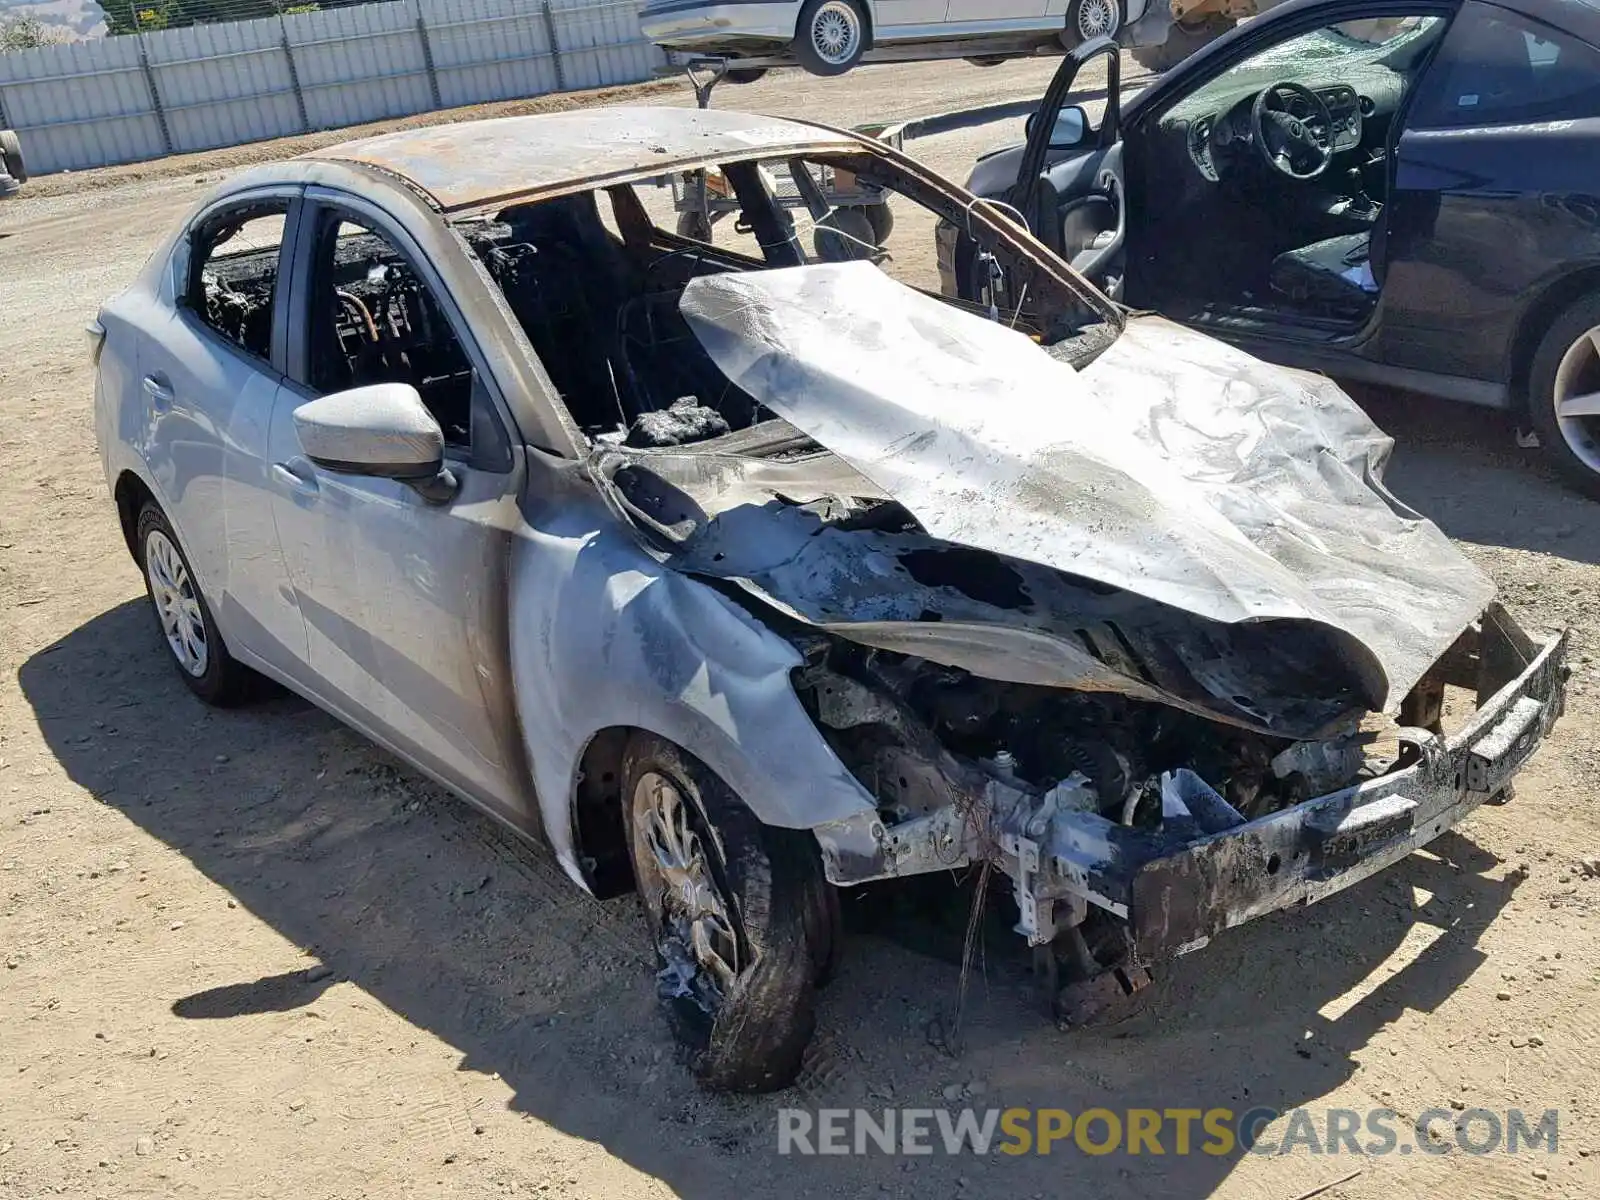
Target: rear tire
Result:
[695, 226]
[881, 219]
[184, 618]
[845, 235]
[831, 36]
[989, 60]
[1182, 41]
[738, 913]
[745, 74]
[11, 156]
[1089, 19]
[1565, 367]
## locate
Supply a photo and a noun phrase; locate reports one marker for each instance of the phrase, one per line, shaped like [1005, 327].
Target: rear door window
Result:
[1498, 67]
[236, 258]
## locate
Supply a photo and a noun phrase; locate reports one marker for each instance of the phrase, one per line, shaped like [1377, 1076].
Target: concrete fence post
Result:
[427, 58]
[294, 73]
[555, 44]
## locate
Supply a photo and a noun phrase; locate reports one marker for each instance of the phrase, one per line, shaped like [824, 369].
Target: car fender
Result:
[120, 463]
[602, 636]
[119, 427]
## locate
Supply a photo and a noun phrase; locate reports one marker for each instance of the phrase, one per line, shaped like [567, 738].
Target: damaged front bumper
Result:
[1180, 884]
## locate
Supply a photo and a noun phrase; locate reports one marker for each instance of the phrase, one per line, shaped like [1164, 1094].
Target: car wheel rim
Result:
[695, 933]
[1097, 18]
[836, 33]
[1577, 399]
[177, 603]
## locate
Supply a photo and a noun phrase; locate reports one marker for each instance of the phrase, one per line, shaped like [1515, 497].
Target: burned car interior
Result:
[601, 311]
[232, 280]
[1281, 164]
[374, 321]
[595, 281]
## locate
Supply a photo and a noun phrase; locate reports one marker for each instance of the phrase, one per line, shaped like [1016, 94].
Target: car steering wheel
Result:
[1290, 145]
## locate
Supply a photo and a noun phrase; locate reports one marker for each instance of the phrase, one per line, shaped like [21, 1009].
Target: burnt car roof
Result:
[479, 163]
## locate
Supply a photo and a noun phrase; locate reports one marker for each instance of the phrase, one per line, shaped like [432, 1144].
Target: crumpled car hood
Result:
[1179, 521]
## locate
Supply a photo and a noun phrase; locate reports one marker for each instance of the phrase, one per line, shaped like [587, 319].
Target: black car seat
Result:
[1337, 273]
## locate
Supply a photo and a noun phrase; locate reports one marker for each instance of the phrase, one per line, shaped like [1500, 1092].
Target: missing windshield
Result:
[596, 279]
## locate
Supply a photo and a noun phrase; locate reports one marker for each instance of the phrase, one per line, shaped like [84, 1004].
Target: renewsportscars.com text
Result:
[1139, 1132]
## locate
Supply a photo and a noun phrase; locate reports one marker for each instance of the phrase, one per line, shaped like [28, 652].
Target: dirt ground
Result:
[248, 954]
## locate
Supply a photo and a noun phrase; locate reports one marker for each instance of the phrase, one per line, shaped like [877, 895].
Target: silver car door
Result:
[209, 371]
[993, 10]
[404, 599]
[888, 14]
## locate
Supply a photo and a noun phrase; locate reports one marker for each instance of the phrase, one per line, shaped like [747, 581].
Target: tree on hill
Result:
[143, 16]
[26, 32]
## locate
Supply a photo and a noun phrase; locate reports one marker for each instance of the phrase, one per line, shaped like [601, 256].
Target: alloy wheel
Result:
[692, 919]
[836, 32]
[177, 603]
[1098, 18]
[1576, 398]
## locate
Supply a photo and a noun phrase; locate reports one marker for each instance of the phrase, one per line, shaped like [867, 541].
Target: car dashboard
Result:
[1215, 134]
[1220, 135]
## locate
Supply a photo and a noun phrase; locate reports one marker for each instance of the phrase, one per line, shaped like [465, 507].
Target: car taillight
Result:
[96, 335]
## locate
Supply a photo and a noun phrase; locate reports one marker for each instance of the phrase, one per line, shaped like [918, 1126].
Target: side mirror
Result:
[384, 431]
[1072, 127]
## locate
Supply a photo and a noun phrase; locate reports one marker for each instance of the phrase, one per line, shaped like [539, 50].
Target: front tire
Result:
[831, 36]
[745, 74]
[184, 618]
[732, 908]
[1564, 394]
[11, 156]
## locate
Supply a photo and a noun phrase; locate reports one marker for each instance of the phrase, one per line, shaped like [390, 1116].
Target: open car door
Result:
[1070, 184]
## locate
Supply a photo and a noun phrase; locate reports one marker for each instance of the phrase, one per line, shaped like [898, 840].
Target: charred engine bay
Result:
[916, 734]
[864, 569]
[1156, 689]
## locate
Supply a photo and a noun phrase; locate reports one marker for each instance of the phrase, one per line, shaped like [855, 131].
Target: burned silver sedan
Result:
[611, 468]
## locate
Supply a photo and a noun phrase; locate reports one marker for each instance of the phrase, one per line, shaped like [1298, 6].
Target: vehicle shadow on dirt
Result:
[1461, 467]
[464, 932]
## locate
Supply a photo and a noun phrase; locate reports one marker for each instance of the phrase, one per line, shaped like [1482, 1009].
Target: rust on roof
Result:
[479, 163]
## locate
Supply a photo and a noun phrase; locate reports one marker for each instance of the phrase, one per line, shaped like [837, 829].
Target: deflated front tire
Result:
[737, 913]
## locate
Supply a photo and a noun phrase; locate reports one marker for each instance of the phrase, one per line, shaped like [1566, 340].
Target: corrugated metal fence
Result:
[123, 99]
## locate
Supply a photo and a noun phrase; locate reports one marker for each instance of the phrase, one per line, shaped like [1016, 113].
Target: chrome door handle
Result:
[159, 391]
[297, 475]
